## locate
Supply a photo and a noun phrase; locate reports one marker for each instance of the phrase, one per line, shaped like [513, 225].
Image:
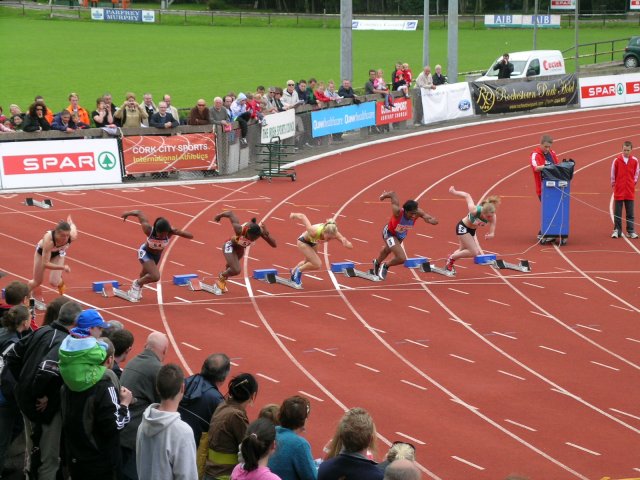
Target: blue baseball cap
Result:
[91, 318]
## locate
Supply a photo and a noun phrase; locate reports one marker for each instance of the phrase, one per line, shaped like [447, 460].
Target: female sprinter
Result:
[233, 249]
[50, 253]
[393, 233]
[150, 251]
[308, 244]
[479, 215]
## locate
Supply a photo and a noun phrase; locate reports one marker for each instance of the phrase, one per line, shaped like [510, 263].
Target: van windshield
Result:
[518, 67]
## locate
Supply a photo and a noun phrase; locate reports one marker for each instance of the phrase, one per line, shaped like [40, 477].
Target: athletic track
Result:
[489, 373]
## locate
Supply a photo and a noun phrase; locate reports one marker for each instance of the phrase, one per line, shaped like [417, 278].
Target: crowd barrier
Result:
[100, 157]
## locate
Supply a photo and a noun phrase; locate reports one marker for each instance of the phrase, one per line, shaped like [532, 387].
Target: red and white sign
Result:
[552, 67]
[634, 5]
[400, 112]
[609, 90]
[563, 4]
[59, 163]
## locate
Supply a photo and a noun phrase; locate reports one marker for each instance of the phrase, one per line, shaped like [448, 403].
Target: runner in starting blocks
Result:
[349, 269]
[424, 265]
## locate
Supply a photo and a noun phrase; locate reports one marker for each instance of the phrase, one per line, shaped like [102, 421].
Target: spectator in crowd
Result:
[402, 470]
[79, 125]
[272, 107]
[254, 108]
[202, 394]
[170, 108]
[48, 113]
[407, 75]
[148, 104]
[89, 324]
[122, 343]
[63, 122]
[6, 126]
[199, 114]
[92, 418]
[397, 80]
[165, 449]
[108, 102]
[624, 178]
[102, 116]
[260, 90]
[34, 120]
[398, 451]
[2, 115]
[15, 110]
[14, 323]
[74, 107]
[139, 376]
[229, 426]
[357, 433]
[322, 99]
[53, 310]
[438, 77]
[369, 87]
[38, 397]
[14, 294]
[293, 460]
[278, 100]
[131, 114]
[290, 97]
[163, 118]
[241, 115]
[504, 67]
[256, 448]
[346, 91]
[425, 79]
[270, 412]
[380, 85]
[219, 114]
[17, 122]
[331, 91]
[305, 94]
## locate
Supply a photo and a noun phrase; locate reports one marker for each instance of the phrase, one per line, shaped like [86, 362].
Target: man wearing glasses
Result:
[199, 114]
[34, 120]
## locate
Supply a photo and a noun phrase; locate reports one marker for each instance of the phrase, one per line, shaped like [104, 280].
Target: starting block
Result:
[349, 269]
[124, 295]
[200, 285]
[427, 268]
[488, 259]
[46, 203]
[183, 280]
[101, 287]
[40, 305]
[415, 262]
[522, 266]
[270, 275]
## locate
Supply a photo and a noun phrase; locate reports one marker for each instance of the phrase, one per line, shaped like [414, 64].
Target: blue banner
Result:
[342, 119]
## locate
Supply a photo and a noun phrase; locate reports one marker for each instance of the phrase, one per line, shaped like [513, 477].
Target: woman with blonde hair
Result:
[308, 244]
[478, 216]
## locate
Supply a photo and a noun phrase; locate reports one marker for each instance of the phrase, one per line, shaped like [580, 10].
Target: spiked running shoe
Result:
[376, 266]
[382, 273]
[296, 277]
[61, 287]
[221, 283]
[449, 265]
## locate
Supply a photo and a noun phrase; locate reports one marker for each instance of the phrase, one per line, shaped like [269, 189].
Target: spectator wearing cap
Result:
[89, 324]
[241, 115]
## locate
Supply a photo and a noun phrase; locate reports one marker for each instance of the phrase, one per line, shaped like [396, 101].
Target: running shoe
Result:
[376, 266]
[384, 268]
[221, 283]
[61, 287]
[449, 265]
[135, 292]
[615, 234]
[632, 235]
[297, 277]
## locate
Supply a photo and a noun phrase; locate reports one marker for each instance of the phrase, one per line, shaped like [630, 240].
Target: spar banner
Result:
[634, 5]
[281, 125]
[563, 4]
[446, 102]
[400, 112]
[609, 90]
[498, 97]
[59, 163]
[342, 119]
[153, 154]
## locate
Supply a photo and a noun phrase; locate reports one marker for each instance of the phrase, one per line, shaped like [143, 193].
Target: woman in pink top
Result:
[256, 448]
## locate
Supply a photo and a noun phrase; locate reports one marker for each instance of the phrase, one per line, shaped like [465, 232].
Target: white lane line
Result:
[532, 285]
[607, 279]
[552, 349]
[276, 218]
[359, 240]
[377, 330]
[381, 298]
[207, 274]
[281, 267]
[511, 375]
[424, 235]
[214, 311]
[541, 314]
[504, 335]
[413, 439]
[267, 378]
[467, 462]
[576, 296]
[459, 291]
[250, 324]
[335, 316]
[416, 343]
[461, 358]
[176, 263]
[301, 304]
[291, 244]
[499, 303]
[251, 211]
[236, 283]
[197, 241]
[605, 366]
[285, 337]
[632, 339]
[624, 413]
[313, 208]
[325, 352]
[588, 327]
[520, 425]
[190, 346]
[182, 299]
[264, 292]
[419, 309]
[582, 448]
[621, 308]
[308, 275]
[365, 221]
[306, 394]
[368, 368]
[414, 384]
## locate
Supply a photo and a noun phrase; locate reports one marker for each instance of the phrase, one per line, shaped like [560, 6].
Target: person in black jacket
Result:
[37, 390]
[504, 67]
[34, 120]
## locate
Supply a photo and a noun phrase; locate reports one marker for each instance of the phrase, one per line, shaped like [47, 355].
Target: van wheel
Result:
[631, 62]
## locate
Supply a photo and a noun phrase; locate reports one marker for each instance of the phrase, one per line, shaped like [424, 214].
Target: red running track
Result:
[489, 373]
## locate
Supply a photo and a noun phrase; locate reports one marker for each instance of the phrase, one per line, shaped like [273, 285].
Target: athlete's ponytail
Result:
[330, 227]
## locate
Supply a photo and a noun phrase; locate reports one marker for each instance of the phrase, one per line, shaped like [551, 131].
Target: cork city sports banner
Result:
[154, 153]
[400, 112]
[504, 97]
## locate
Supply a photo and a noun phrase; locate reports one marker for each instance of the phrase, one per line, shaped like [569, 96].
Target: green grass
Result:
[55, 57]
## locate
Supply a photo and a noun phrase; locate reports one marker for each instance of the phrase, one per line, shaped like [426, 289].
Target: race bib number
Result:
[462, 229]
[228, 247]
[141, 253]
[244, 242]
[391, 242]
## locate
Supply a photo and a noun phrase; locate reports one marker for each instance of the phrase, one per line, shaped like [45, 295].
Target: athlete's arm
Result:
[264, 233]
[235, 223]
[427, 218]
[492, 227]
[144, 223]
[74, 231]
[466, 196]
[311, 230]
[395, 203]
[47, 247]
[344, 241]
[181, 233]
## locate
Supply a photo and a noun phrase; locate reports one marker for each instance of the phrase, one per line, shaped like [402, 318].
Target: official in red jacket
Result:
[624, 177]
[542, 156]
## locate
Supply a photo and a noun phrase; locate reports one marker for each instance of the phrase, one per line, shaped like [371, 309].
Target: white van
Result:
[533, 63]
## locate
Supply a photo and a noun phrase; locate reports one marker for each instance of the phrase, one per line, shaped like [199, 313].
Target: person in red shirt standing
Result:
[542, 156]
[624, 177]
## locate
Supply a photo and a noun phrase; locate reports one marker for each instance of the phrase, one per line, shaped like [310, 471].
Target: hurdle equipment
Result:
[102, 286]
[522, 266]
[270, 275]
[124, 295]
[183, 280]
[349, 269]
[487, 259]
[46, 203]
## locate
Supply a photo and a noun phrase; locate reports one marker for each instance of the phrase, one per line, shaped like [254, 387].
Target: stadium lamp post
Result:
[535, 25]
[425, 35]
[346, 58]
[576, 39]
[452, 40]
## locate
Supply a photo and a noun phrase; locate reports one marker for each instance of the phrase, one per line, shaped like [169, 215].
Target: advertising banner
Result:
[522, 21]
[563, 4]
[401, 111]
[123, 15]
[406, 25]
[152, 154]
[609, 90]
[634, 5]
[446, 102]
[281, 124]
[503, 20]
[497, 97]
[59, 163]
[543, 21]
[342, 119]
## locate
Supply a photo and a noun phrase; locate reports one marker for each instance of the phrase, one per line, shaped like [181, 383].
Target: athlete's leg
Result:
[468, 247]
[150, 273]
[233, 263]
[55, 277]
[38, 275]
[399, 256]
[311, 259]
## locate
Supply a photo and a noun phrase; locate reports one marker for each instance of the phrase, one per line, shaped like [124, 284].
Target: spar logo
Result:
[633, 88]
[602, 91]
[57, 163]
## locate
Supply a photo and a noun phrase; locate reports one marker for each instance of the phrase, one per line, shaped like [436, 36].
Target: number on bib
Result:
[391, 242]
[462, 229]
[228, 247]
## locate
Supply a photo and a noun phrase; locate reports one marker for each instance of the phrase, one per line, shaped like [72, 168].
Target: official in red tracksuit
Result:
[624, 178]
[542, 156]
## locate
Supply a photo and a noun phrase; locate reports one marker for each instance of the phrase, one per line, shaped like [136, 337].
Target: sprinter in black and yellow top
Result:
[308, 244]
[478, 216]
[233, 249]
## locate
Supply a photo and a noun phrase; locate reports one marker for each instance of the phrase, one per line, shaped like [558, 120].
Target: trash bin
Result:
[556, 196]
